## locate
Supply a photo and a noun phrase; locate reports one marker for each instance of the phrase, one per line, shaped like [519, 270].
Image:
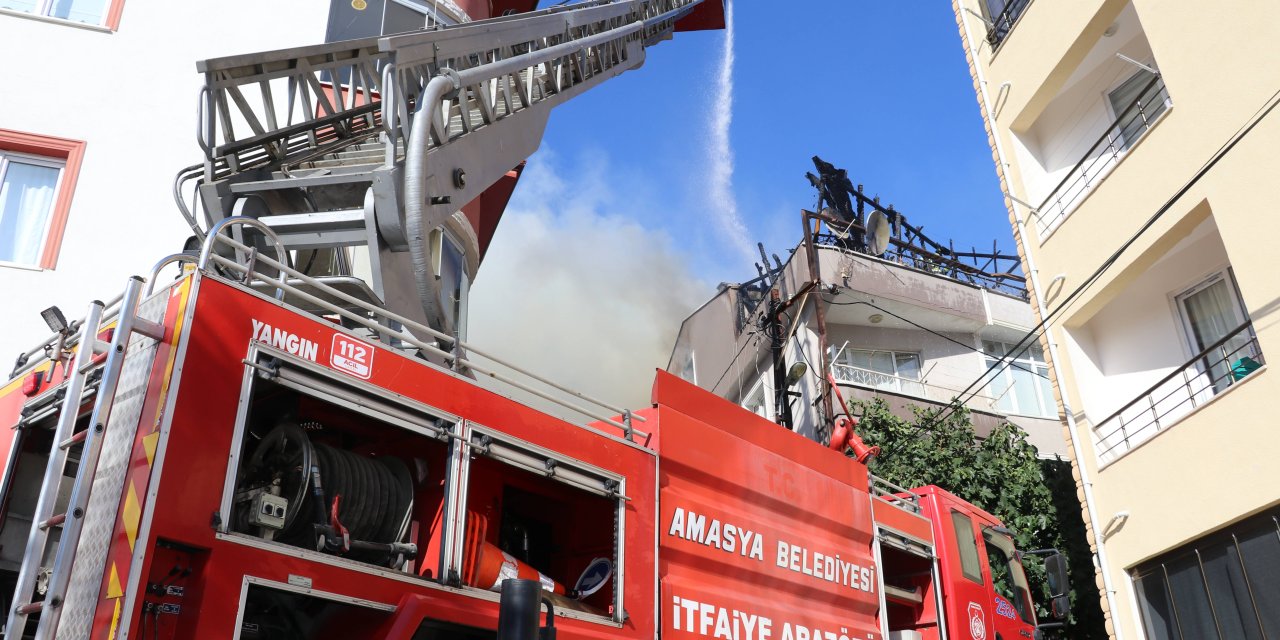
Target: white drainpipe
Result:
[1033, 279]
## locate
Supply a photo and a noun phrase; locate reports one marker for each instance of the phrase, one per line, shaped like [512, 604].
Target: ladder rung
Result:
[30, 608]
[55, 521]
[75, 439]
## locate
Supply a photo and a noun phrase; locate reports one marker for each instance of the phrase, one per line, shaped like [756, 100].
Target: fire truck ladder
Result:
[72, 520]
[379, 142]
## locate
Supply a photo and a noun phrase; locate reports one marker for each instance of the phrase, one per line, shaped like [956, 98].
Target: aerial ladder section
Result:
[421, 124]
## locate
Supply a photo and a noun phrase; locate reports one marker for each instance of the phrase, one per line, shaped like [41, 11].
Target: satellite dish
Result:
[878, 232]
[595, 576]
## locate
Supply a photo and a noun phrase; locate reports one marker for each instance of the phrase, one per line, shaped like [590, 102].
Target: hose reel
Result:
[310, 494]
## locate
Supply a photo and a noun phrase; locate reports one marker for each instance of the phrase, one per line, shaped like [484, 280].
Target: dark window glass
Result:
[1157, 615]
[1260, 551]
[1230, 592]
[1190, 600]
[1225, 585]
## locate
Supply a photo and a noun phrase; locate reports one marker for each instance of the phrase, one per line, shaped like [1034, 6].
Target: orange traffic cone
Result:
[494, 565]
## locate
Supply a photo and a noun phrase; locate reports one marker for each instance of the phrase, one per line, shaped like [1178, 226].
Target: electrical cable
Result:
[734, 360]
[1110, 261]
[940, 335]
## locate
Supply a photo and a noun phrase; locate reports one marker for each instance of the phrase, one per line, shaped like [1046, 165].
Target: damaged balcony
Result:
[1207, 375]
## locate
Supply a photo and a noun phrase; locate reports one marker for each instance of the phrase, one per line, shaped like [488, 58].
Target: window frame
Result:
[112, 10]
[842, 357]
[1030, 367]
[1123, 143]
[1236, 542]
[765, 401]
[966, 544]
[1180, 297]
[70, 154]
[7, 158]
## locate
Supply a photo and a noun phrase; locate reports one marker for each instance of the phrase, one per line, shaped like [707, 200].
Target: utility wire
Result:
[936, 333]
[1106, 265]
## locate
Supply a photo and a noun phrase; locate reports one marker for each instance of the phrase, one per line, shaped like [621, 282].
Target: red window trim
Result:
[113, 15]
[71, 152]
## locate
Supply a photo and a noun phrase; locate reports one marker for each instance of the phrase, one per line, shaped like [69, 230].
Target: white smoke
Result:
[573, 289]
[720, 151]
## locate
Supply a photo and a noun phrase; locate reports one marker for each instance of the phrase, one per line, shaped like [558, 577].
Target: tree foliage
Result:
[1002, 474]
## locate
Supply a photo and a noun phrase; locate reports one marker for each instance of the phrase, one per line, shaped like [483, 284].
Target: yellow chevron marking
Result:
[113, 586]
[149, 444]
[131, 514]
[115, 622]
[182, 289]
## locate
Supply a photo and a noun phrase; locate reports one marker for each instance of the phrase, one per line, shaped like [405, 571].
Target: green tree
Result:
[1002, 474]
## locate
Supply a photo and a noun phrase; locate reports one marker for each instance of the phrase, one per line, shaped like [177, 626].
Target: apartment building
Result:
[897, 322]
[89, 150]
[1136, 145]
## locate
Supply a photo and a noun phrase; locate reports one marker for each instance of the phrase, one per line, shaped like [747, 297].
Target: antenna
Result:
[878, 233]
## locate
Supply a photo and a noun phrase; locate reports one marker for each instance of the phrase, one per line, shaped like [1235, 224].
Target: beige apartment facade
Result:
[1137, 149]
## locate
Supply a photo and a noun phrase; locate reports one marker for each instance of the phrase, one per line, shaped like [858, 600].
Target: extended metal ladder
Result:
[71, 521]
[379, 142]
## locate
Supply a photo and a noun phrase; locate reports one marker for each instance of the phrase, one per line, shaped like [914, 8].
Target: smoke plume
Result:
[573, 289]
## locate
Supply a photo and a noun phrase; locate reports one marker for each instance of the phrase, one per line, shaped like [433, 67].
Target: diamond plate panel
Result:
[100, 516]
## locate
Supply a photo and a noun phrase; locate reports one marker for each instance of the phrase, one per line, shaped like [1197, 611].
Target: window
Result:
[967, 545]
[1001, 15]
[1007, 577]
[103, 13]
[1226, 585]
[37, 176]
[689, 368]
[1137, 102]
[1022, 387]
[451, 268]
[1211, 311]
[757, 401]
[887, 370]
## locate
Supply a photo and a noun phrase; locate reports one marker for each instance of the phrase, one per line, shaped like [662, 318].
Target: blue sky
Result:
[878, 88]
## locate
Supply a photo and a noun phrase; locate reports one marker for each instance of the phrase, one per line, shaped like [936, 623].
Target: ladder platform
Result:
[319, 230]
[302, 182]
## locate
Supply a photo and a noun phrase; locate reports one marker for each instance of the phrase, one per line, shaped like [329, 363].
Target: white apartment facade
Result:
[89, 152]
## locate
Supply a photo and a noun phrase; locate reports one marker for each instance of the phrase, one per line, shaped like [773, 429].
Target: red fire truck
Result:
[252, 450]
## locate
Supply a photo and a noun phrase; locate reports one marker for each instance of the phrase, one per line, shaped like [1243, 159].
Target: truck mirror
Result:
[1060, 607]
[1055, 569]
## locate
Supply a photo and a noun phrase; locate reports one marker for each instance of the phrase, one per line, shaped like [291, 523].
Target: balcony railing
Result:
[1209, 373]
[877, 380]
[1129, 125]
[1002, 24]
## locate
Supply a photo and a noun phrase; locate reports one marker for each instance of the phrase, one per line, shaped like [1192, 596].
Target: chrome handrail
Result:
[411, 332]
[1078, 172]
[1149, 395]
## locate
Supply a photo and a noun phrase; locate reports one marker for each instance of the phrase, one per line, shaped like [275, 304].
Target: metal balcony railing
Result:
[1209, 373]
[875, 379]
[1103, 155]
[1002, 24]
